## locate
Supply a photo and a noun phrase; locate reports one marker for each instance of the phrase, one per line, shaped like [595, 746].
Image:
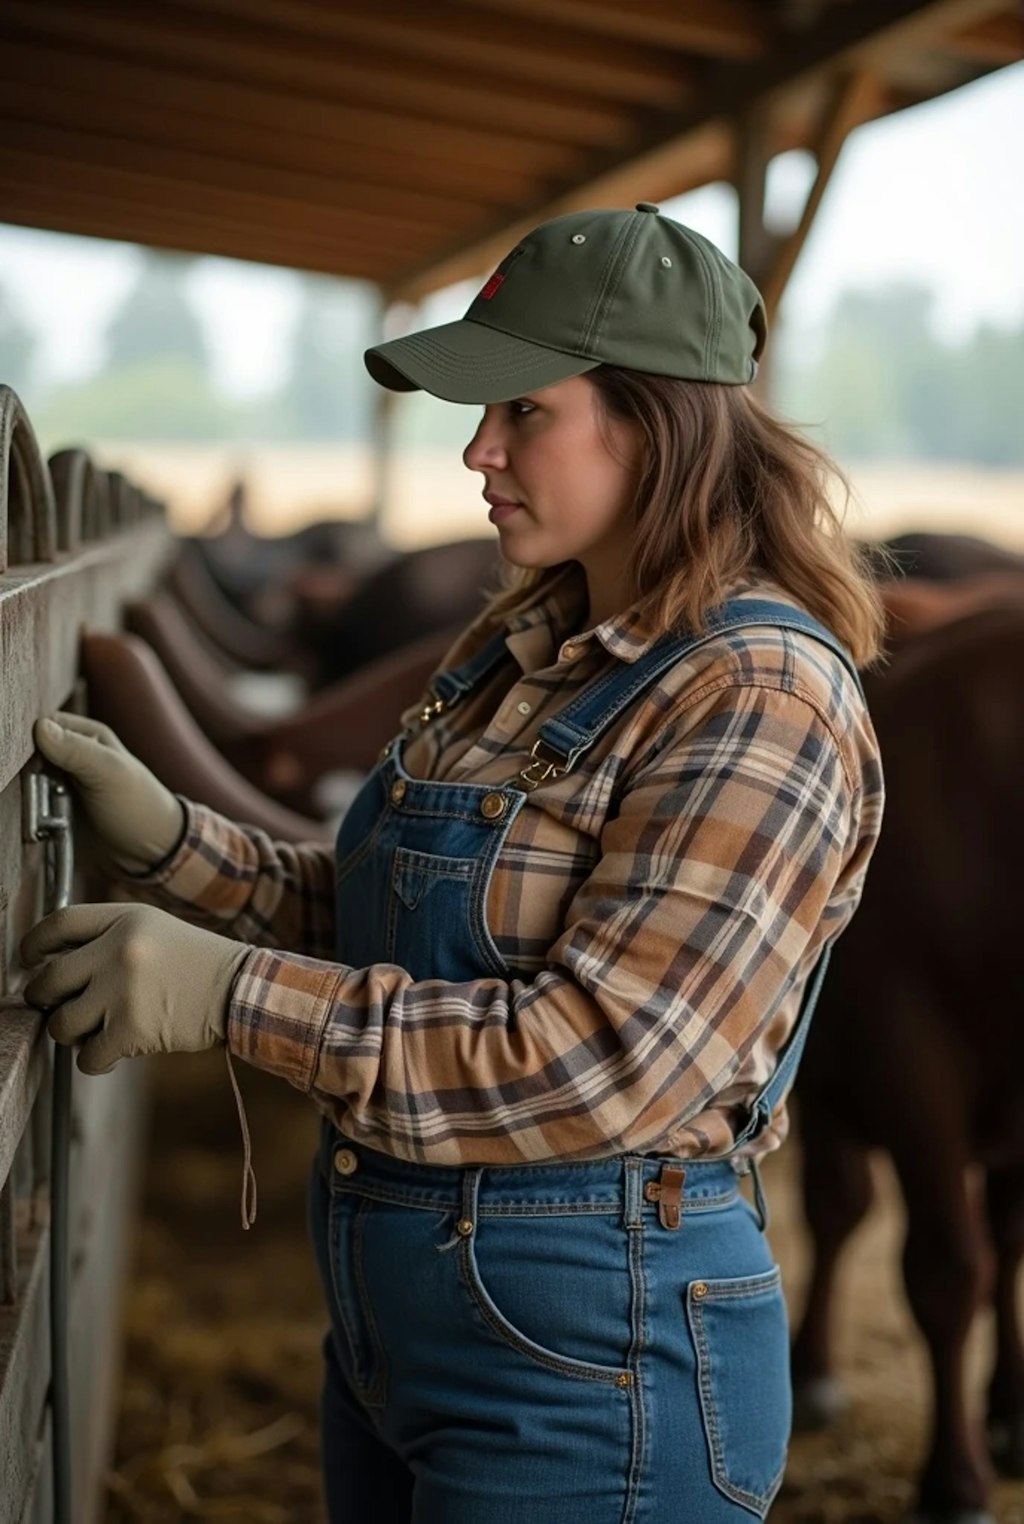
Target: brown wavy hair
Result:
[726, 492]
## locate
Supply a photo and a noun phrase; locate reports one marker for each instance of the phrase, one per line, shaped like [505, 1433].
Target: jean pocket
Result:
[556, 1289]
[346, 1231]
[741, 1338]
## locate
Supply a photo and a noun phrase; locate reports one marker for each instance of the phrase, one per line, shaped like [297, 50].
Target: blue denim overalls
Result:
[561, 1343]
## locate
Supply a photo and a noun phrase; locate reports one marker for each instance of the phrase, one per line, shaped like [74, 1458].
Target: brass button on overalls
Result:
[493, 805]
[398, 791]
[345, 1161]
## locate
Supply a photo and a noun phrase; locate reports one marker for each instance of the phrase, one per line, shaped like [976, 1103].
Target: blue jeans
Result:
[532, 1344]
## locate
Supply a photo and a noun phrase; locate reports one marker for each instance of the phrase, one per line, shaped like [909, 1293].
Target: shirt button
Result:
[345, 1161]
[524, 707]
[493, 805]
[398, 791]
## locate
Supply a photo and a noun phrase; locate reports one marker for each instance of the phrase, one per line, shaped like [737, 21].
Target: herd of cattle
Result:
[918, 1044]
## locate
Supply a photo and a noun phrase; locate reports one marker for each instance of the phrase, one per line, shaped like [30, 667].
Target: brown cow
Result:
[918, 1047]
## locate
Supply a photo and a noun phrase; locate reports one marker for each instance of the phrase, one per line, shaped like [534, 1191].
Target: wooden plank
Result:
[22, 1066]
[721, 28]
[467, 189]
[453, 36]
[856, 99]
[52, 158]
[998, 40]
[338, 206]
[856, 35]
[185, 95]
[104, 1186]
[666, 169]
[24, 1373]
[109, 217]
[42, 610]
[256, 58]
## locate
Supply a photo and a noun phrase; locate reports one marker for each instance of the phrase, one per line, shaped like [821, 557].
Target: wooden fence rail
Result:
[76, 544]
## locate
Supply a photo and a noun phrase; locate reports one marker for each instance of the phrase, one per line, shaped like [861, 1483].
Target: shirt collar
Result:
[557, 613]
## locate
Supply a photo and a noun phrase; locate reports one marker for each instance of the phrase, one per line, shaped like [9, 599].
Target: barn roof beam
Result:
[457, 36]
[313, 123]
[265, 57]
[847, 37]
[720, 28]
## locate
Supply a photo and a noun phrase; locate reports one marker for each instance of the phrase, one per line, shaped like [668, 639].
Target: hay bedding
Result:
[223, 1329]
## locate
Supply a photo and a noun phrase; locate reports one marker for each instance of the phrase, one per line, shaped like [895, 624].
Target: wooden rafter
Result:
[853, 100]
[721, 28]
[453, 37]
[358, 131]
[850, 35]
[218, 51]
[996, 40]
[413, 143]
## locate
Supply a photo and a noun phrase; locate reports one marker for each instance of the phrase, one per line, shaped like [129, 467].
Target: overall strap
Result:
[565, 737]
[449, 687]
[784, 1072]
[574, 730]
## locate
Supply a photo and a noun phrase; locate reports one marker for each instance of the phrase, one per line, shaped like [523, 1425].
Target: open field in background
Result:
[432, 497]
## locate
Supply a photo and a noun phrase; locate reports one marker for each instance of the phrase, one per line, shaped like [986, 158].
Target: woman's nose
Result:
[486, 450]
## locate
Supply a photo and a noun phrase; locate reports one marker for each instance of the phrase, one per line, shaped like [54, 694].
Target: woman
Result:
[551, 993]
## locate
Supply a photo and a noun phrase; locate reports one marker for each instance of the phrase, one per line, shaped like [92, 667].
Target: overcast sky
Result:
[933, 194]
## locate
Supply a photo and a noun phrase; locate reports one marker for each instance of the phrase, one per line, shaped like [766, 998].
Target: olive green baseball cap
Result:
[626, 288]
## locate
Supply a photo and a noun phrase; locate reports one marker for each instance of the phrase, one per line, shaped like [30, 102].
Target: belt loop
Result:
[667, 1191]
[760, 1200]
[470, 1191]
[633, 1200]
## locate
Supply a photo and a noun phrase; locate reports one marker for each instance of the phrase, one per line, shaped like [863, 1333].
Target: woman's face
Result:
[560, 477]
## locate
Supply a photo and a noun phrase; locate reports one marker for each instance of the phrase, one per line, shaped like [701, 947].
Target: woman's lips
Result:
[499, 511]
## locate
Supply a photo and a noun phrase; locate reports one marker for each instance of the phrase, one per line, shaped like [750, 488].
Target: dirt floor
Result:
[218, 1404]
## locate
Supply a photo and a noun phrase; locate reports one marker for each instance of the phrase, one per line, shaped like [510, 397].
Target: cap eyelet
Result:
[666, 262]
[579, 238]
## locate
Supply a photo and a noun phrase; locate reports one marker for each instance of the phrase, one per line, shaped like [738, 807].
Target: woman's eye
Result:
[520, 409]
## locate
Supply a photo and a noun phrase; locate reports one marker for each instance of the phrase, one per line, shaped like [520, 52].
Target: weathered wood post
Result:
[76, 543]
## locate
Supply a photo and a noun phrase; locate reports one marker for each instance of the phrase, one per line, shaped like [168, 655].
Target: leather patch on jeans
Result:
[667, 1191]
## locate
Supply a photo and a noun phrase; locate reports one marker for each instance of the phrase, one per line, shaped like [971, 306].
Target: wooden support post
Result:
[756, 243]
[853, 100]
[769, 258]
[396, 319]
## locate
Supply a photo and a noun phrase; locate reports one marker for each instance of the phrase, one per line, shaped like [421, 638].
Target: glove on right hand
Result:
[136, 818]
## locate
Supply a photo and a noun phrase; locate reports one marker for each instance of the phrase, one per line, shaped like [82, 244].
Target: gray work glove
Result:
[127, 980]
[136, 819]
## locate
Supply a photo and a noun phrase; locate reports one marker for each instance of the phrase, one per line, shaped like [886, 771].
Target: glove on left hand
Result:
[131, 980]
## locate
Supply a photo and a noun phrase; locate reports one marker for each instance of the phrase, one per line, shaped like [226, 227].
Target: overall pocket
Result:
[741, 1339]
[436, 912]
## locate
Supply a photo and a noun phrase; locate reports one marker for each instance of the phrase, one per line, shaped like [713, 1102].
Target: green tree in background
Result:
[17, 348]
[156, 320]
[327, 394]
[885, 387]
[155, 383]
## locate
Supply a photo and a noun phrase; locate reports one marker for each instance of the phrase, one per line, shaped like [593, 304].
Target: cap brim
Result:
[469, 362]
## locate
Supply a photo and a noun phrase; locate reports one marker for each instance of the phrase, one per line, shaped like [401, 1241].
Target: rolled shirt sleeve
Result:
[731, 856]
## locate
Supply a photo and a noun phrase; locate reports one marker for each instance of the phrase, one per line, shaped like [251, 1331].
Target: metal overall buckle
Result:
[540, 769]
[432, 708]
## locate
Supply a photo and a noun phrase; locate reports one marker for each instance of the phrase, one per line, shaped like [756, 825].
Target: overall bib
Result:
[562, 1343]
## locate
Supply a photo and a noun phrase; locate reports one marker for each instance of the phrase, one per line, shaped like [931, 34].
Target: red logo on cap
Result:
[492, 287]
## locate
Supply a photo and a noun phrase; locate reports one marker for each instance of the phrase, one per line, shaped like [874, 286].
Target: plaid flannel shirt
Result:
[662, 904]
